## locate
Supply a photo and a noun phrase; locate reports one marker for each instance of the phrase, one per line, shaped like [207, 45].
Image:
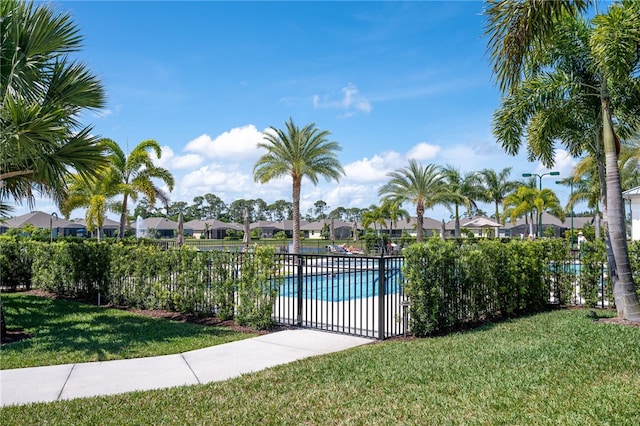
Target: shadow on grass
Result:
[63, 326]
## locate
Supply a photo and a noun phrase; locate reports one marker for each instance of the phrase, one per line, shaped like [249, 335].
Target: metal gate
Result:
[350, 294]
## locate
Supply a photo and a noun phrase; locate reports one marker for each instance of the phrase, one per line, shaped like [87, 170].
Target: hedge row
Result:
[224, 284]
[451, 283]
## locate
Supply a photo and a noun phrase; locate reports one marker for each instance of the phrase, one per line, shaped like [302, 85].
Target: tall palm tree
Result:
[42, 94]
[518, 32]
[298, 153]
[134, 174]
[464, 190]
[496, 187]
[424, 187]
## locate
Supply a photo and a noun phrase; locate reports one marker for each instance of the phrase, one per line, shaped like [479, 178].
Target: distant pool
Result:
[343, 286]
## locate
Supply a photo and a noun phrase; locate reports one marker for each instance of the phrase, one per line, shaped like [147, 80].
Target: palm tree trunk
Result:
[123, 216]
[623, 285]
[297, 183]
[497, 213]
[420, 215]
[457, 228]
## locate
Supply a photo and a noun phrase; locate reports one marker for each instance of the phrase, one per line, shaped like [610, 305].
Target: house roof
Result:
[159, 223]
[549, 219]
[319, 224]
[631, 193]
[282, 225]
[474, 222]
[40, 220]
[200, 225]
[481, 222]
[411, 223]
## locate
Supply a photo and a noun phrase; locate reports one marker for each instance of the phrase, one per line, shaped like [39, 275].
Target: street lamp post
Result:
[539, 176]
[571, 212]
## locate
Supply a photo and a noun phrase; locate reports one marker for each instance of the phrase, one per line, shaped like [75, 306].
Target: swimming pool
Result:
[341, 287]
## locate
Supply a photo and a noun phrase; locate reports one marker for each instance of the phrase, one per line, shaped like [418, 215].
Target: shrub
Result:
[451, 283]
[592, 280]
[15, 262]
[256, 289]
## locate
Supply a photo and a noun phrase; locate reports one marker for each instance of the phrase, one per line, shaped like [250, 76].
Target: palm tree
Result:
[298, 153]
[547, 201]
[375, 216]
[395, 212]
[520, 203]
[519, 32]
[587, 187]
[496, 187]
[134, 174]
[422, 186]
[92, 194]
[42, 94]
[630, 163]
[463, 190]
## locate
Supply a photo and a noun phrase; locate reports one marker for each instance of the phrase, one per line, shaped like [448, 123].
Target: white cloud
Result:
[423, 151]
[351, 102]
[564, 164]
[237, 144]
[373, 169]
[171, 161]
[463, 157]
[214, 179]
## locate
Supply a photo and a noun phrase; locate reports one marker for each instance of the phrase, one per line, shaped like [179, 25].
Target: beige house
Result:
[210, 228]
[313, 230]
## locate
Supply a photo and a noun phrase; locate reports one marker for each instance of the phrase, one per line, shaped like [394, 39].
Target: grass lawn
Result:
[555, 368]
[66, 332]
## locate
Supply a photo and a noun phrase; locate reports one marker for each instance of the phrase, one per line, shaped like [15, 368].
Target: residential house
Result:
[159, 227]
[41, 220]
[110, 228]
[210, 228]
[269, 228]
[479, 226]
[341, 230]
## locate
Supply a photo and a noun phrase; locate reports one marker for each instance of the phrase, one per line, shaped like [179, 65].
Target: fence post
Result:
[381, 298]
[299, 264]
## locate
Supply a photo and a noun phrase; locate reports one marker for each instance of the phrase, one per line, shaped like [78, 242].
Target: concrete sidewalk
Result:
[216, 363]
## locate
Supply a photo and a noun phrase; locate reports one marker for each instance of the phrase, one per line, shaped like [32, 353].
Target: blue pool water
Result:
[342, 287]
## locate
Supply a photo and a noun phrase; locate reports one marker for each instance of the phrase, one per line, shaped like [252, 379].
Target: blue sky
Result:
[390, 80]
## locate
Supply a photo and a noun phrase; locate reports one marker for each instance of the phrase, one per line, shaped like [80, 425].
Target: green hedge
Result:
[634, 256]
[15, 261]
[224, 284]
[452, 283]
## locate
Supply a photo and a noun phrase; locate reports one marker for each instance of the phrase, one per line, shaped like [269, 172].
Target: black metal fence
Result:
[578, 283]
[356, 295]
[352, 294]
